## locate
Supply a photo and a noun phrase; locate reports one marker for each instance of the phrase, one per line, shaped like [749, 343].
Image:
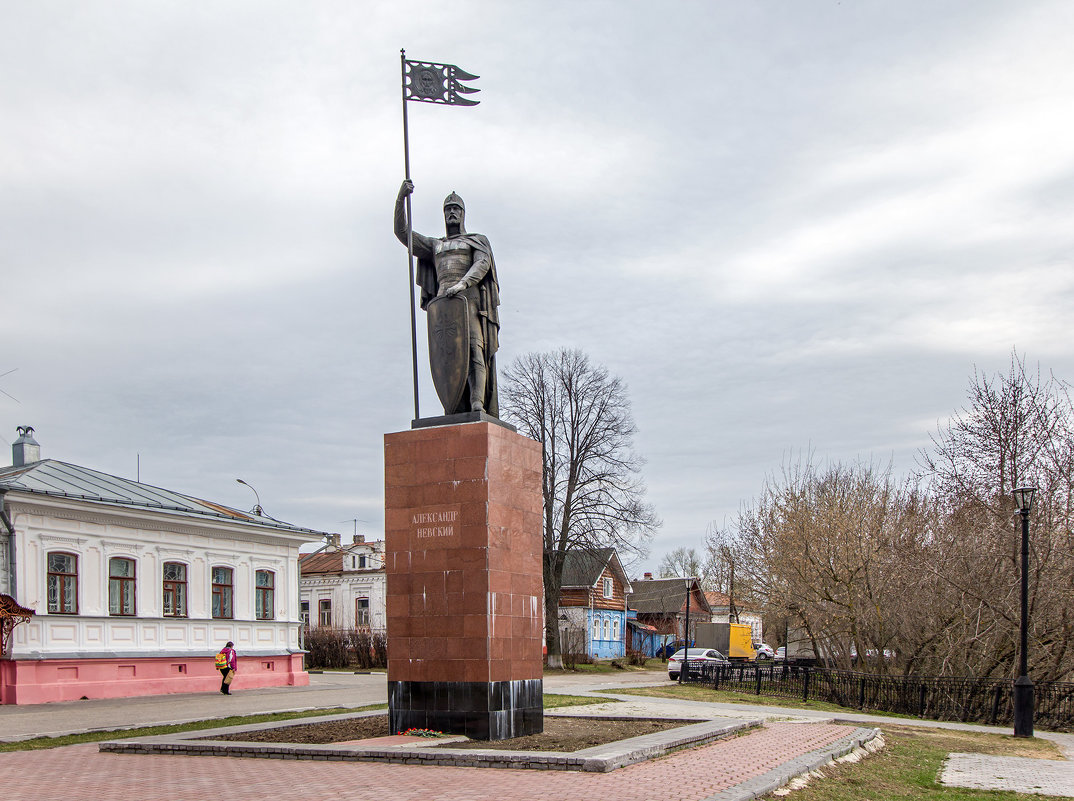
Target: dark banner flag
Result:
[438, 83]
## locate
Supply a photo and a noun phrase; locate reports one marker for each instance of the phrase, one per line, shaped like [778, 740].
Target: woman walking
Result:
[228, 668]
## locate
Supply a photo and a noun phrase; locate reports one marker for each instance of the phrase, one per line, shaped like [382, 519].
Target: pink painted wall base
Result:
[40, 681]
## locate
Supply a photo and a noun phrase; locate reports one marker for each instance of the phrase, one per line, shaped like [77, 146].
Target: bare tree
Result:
[685, 562]
[1017, 428]
[923, 575]
[819, 545]
[593, 492]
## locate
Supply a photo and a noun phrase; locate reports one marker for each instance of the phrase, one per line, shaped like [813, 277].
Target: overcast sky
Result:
[788, 226]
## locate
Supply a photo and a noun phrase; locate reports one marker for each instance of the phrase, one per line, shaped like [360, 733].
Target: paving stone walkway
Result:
[1018, 774]
[81, 772]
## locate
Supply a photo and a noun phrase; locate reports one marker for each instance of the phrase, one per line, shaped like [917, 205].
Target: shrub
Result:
[328, 648]
[636, 658]
[370, 649]
[380, 650]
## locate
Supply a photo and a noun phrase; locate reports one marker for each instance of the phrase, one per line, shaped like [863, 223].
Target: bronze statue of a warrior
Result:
[461, 295]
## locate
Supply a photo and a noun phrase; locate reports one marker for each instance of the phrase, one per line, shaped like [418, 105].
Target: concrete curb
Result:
[598, 759]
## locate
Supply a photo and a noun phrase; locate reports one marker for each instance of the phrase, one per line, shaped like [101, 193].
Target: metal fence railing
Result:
[969, 700]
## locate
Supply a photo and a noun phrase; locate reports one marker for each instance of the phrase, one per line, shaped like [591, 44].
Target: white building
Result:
[720, 604]
[134, 588]
[343, 587]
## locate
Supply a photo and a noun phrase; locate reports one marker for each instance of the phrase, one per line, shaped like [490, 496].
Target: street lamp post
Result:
[257, 510]
[1023, 685]
[686, 651]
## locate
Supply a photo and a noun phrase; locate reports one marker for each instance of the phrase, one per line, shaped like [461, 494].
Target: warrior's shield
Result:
[449, 348]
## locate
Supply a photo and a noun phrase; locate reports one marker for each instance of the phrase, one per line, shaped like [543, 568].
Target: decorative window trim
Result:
[61, 540]
[263, 563]
[168, 553]
[224, 558]
[119, 546]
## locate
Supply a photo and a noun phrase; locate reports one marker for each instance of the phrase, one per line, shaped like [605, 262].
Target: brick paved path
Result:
[81, 773]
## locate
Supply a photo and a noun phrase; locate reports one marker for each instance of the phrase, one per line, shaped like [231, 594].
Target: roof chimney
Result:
[648, 576]
[358, 538]
[25, 450]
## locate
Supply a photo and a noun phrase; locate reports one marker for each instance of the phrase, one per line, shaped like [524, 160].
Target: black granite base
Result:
[495, 710]
[456, 419]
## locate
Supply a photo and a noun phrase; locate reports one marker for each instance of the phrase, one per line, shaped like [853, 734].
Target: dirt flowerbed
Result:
[560, 733]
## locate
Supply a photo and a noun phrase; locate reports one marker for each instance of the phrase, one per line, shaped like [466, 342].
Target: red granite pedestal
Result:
[463, 551]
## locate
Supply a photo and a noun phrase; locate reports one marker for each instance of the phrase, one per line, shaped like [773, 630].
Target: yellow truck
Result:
[733, 640]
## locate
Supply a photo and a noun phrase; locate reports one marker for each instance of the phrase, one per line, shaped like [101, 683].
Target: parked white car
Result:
[696, 655]
[764, 652]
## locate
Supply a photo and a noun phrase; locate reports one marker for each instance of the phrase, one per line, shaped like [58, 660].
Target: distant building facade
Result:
[343, 586]
[662, 607]
[592, 604]
[134, 588]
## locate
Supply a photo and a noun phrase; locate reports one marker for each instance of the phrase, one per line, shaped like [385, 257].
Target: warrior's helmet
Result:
[454, 200]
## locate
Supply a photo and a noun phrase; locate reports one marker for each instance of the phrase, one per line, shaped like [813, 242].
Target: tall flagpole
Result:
[409, 238]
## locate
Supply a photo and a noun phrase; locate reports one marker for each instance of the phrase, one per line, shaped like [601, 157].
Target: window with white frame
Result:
[608, 587]
[615, 629]
[361, 611]
[596, 629]
[305, 613]
[324, 612]
[607, 629]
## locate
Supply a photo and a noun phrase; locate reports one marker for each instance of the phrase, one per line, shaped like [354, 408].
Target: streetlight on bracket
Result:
[257, 510]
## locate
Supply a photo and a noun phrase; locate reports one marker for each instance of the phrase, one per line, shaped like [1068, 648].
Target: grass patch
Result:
[908, 768]
[605, 666]
[554, 701]
[696, 692]
[38, 743]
